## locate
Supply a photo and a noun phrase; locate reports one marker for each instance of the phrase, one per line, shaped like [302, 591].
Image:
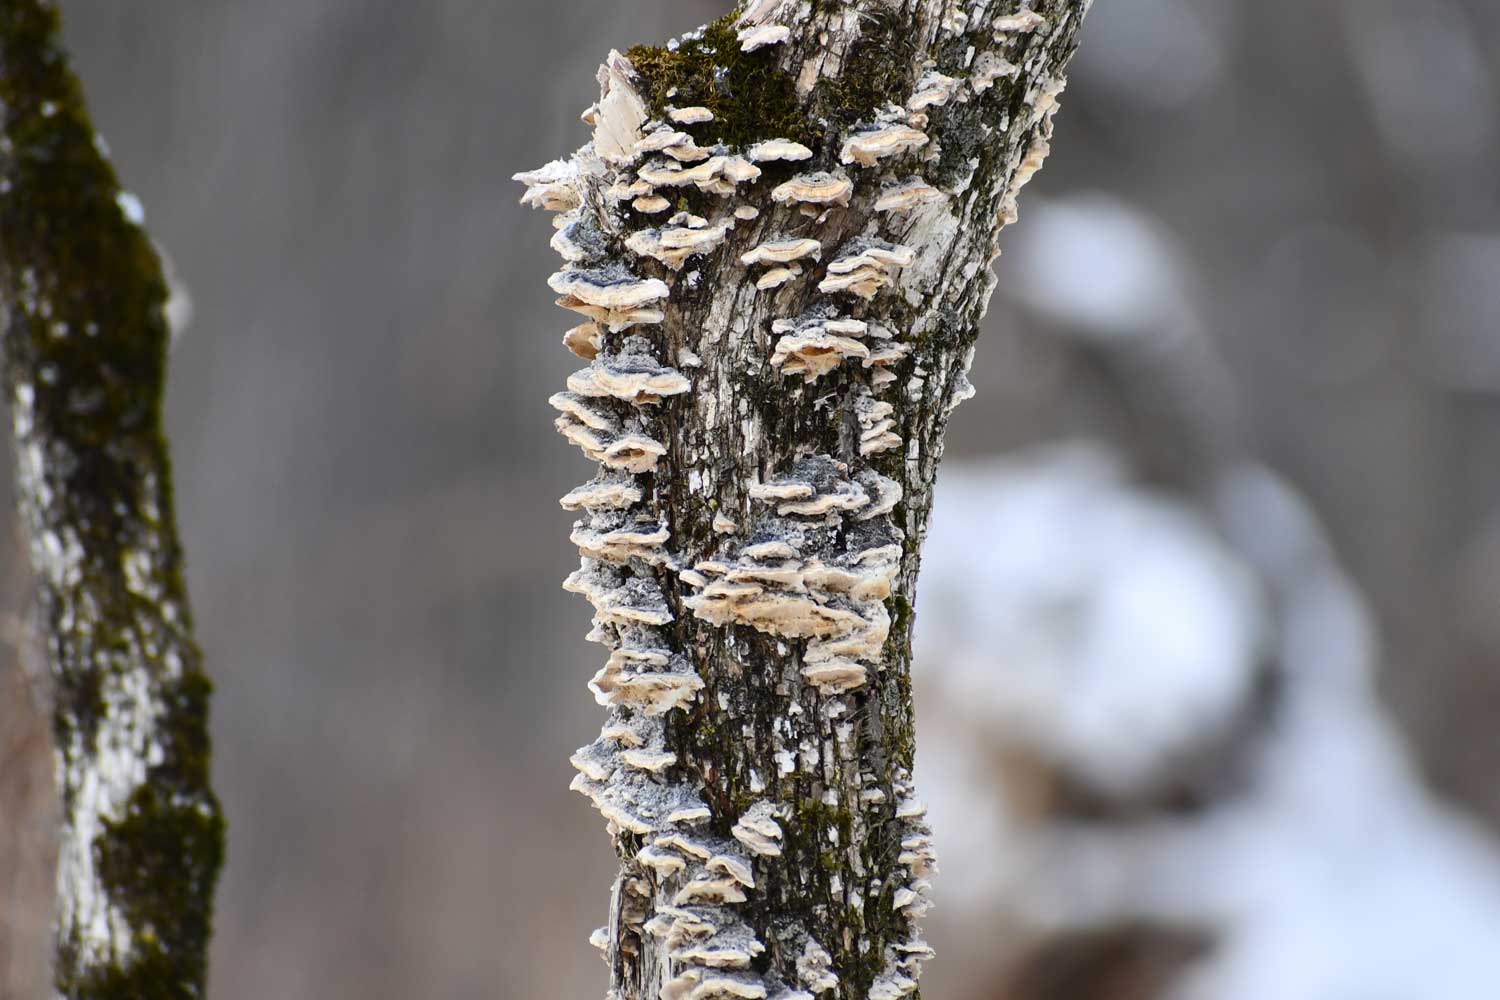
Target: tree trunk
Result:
[85, 357]
[780, 237]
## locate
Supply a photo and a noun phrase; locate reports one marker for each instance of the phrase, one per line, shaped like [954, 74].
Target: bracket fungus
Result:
[933, 91]
[783, 251]
[674, 246]
[632, 375]
[876, 423]
[612, 296]
[552, 187]
[690, 116]
[609, 492]
[820, 188]
[869, 267]
[758, 829]
[908, 195]
[868, 148]
[813, 347]
[778, 149]
[778, 276]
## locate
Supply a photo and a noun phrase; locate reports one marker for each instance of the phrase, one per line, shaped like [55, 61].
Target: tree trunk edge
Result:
[751, 544]
[85, 342]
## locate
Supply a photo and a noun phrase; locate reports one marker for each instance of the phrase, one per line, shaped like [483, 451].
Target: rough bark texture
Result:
[777, 332]
[85, 354]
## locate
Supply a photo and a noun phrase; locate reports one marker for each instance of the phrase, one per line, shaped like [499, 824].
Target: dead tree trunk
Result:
[780, 238]
[85, 343]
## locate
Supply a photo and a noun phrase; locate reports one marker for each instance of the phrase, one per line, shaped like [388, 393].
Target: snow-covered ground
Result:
[1115, 634]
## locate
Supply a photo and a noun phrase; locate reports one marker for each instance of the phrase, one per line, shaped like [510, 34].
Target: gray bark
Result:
[776, 337]
[85, 343]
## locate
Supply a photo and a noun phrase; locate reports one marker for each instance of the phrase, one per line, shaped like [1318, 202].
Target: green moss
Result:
[876, 71]
[159, 864]
[85, 345]
[750, 96]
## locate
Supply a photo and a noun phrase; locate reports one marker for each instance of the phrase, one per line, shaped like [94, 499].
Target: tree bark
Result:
[777, 332]
[85, 357]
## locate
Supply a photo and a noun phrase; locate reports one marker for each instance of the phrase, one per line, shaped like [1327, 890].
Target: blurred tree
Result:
[85, 355]
[751, 543]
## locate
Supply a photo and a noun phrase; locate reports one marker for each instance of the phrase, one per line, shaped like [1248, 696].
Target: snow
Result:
[1107, 628]
[1112, 611]
[131, 206]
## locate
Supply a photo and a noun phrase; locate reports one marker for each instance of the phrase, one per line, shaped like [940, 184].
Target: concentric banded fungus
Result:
[610, 295]
[578, 239]
[612, 288]
[778, 276]
[615, 536]
[783, 251]
[868, 148]
[619, 597]
[876, 422]
[651, 204]
[759, 831]
[814, 347]
[687, 152]
[718, 174]
[639, 804]
[673, 247]
[690, 116]
[778, 149]
[654, 692]
[933, 90]
[821, 188]
[552, 187]
[632, 375]
[908, 195]
[608, 492]
[584, 411]
[732, 948]
[869, 267]
[660, 138]
[631, 451]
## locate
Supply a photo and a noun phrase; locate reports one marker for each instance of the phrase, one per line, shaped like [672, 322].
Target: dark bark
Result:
[85, 342]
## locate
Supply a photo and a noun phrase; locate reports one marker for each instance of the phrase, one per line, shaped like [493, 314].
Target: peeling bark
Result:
[85, 341]
[780, 239]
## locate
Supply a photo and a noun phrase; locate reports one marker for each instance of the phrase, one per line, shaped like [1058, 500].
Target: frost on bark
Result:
[779, 244]
[85, 354]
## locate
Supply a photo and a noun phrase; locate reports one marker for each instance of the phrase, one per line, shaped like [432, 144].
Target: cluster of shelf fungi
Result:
[809, 554]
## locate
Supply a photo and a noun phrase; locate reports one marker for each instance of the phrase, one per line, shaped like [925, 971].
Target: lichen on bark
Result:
[776, 333]
[85, 342]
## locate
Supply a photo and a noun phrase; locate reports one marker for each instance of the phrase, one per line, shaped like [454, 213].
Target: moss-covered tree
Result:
[85, 345]
[780, 239]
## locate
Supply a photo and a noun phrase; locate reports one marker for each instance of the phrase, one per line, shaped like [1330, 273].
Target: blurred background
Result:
[1214, 715]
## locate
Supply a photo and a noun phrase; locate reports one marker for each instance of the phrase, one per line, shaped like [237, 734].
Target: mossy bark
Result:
[85, 342]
